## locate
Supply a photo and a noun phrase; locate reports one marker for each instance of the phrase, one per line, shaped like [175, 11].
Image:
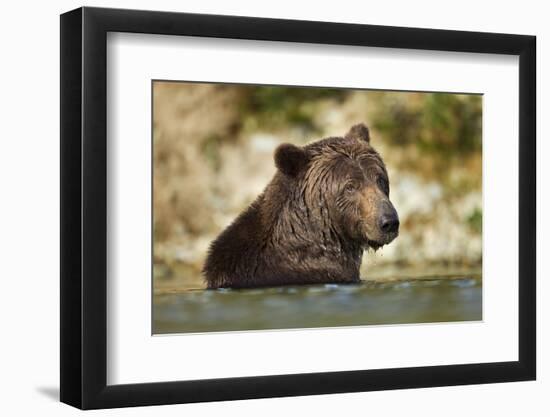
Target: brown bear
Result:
[326, 204]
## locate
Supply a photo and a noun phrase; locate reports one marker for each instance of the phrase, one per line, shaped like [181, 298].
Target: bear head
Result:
[343, 185]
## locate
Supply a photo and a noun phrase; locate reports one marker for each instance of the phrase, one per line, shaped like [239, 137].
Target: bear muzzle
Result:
[387, 227]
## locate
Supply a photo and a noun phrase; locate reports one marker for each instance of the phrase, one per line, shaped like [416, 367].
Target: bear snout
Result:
[389, 223]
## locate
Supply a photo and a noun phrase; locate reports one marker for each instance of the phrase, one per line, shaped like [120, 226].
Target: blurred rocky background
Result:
[213, 154]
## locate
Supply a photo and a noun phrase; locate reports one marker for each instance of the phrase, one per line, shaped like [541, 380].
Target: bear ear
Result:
[290, 159]
[359, 132]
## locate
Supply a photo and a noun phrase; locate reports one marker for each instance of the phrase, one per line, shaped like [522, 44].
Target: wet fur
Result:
[300, 230]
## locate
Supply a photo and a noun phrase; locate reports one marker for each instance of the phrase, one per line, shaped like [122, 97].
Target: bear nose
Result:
[389, 223]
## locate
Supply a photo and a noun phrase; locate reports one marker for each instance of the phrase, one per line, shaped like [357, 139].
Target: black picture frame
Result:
[84, 207]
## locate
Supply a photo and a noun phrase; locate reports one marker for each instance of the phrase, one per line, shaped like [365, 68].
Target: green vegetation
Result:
[444, 125]
[276, 107]
[475, 220]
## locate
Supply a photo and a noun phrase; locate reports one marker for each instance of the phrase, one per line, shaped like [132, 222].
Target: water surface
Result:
[427, 300]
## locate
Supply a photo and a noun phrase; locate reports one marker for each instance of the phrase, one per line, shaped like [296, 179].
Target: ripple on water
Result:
[332, 286]
[464, 283]
[431, 282]
[315, 289]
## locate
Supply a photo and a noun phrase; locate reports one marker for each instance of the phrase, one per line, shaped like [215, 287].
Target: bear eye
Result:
[383, 185]
[351, 187]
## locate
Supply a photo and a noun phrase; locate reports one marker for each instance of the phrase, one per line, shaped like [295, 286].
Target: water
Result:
[367, 303]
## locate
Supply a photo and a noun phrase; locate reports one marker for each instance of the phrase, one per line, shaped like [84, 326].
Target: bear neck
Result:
[294, 226]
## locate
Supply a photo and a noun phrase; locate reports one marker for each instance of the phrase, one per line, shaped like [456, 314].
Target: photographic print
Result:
[290, 207]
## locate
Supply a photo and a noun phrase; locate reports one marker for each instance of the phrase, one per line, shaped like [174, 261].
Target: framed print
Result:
[257, 208]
